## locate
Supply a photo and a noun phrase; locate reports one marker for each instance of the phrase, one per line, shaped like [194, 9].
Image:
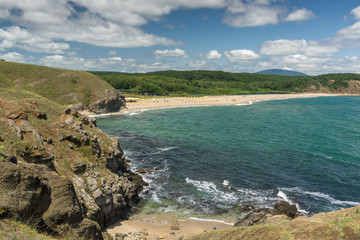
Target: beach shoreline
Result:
[177, 102]
[156, 226]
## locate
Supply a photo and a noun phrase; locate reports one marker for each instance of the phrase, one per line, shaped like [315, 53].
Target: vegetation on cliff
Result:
[218, 82]
[342, 224]
[61, 86]
[58, 171]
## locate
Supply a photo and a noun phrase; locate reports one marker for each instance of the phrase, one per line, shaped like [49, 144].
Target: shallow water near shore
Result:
[206, 161]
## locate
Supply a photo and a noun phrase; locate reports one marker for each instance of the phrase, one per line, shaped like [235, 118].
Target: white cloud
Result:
[252, 13]
[348, 37]
[16, 37]
[13, 57]
[177, 52]
[213, 54]
[197, 64]
[300, 15]
[308, 48]
[241, 55]
[356, 13]
[111, 23]
[112, 52]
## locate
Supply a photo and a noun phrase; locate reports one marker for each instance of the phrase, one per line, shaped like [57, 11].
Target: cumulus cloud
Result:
[287, 47]
[177, 52]
[241, 55]
[300, 15]
[252, 13]
[13, 57]
[16, 37]
[109, 23]
[112, 52]
[356, 13]
[49, 22]
[213, 54]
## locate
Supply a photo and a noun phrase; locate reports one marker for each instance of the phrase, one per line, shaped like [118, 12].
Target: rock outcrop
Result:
[111, 101]
[33, 194]
[61, 172]
[258, 216]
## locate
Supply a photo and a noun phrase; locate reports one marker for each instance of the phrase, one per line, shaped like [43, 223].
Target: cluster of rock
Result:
[258, 216]
[36, 187]
[111, 101]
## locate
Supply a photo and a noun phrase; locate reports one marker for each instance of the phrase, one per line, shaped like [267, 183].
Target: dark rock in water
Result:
[111, 101]
[286, 208]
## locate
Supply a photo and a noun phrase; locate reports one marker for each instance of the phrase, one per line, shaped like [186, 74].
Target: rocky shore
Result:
[58, 171]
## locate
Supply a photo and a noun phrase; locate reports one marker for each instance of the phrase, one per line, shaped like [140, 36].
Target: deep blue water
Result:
[212, 159]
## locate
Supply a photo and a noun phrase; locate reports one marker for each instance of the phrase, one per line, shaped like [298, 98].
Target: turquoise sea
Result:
[209, 160]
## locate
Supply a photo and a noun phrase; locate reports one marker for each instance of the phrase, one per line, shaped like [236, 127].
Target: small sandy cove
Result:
[173, 102]
[160, 226]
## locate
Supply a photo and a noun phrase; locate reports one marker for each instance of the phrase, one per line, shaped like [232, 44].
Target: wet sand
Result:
[156, 226]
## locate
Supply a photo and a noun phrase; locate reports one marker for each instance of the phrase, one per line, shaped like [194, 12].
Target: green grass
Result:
[59, 85]
[342, 224]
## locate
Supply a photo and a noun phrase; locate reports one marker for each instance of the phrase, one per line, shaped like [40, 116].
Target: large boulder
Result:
[33, 194]
[111, 101]
[287, 209]
[258, 216]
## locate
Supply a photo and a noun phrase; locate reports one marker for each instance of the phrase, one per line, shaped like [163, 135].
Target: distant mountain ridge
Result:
[281, 72]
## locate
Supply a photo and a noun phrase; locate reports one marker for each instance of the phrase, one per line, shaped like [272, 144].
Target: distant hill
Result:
[62, 86]
[202, 82]
[281, 72]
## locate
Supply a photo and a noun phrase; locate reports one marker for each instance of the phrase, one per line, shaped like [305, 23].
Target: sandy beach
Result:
[155, 226]
[173, 102]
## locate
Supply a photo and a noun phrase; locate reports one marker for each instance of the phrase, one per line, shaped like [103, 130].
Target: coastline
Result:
[176, 102]
[156, 226]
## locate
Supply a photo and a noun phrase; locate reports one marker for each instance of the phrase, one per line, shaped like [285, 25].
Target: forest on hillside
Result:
[218, 83]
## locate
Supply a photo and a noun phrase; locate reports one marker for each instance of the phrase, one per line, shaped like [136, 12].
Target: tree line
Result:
[201, 82]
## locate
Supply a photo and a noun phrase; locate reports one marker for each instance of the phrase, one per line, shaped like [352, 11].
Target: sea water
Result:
[211, 160]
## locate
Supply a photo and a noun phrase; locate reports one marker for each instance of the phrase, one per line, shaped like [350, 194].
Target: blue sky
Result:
[314, 37]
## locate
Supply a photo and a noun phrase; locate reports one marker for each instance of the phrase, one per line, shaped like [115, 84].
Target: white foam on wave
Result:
[166, 149]
[210, 187]
[210, 220]
[320, 195]
[282, 195]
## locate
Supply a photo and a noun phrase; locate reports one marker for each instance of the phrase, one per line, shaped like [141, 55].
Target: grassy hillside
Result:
[342, 224]
[219, 83]
[59, 85]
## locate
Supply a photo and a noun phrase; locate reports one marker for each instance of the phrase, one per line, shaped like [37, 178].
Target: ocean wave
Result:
[321, 196]
[282, 195]
[210, 188]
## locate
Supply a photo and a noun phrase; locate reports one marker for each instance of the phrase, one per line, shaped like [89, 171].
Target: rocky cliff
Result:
[58, 170]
